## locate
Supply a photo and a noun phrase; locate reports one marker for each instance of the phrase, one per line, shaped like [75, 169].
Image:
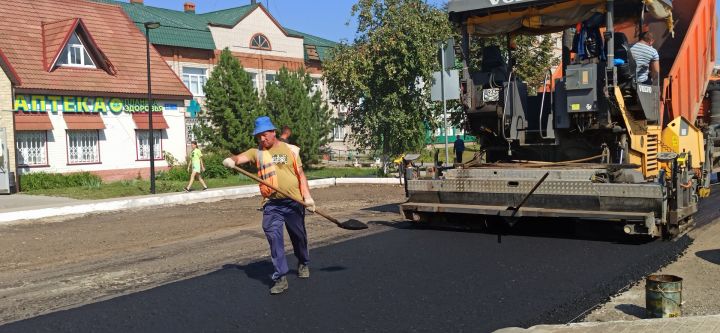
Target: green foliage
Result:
[170, 159]
[213, 168]
[176, 173]
[232, 106]
[533, 56]
[213, 165]
[379, 75]
[42, 180]
[290, 102]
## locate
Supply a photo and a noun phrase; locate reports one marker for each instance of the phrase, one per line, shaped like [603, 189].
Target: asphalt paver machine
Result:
[593, 143]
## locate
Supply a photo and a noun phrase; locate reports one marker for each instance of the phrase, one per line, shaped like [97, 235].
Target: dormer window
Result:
[75, 54]
[260, 42]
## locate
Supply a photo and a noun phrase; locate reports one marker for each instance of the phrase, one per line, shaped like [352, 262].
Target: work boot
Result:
[280, 285]
[303, 271]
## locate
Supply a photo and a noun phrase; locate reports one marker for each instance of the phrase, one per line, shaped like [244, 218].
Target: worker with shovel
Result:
[280, 167]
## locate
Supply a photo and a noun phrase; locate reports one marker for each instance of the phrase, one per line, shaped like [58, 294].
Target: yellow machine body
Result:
[681, 136]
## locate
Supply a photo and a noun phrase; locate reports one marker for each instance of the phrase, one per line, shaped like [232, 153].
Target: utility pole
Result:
[442, 94]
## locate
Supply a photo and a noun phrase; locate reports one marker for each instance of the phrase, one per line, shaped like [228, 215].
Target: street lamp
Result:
[151, 137]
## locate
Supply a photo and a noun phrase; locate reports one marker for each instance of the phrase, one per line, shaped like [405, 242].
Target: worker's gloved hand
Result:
[229, 163]
[310, 204]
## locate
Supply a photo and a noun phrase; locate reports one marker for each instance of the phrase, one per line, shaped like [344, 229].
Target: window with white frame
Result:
[83, 147]
[75, 54]
[270, 78]
[143, 146]
[339, 130]
[253, 77]
[31, 148]
[195, 78]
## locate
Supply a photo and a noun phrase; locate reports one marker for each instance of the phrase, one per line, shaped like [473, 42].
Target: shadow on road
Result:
[632, 310]
[712, 256]
[564, 228]
[388, 208]
[260, 271]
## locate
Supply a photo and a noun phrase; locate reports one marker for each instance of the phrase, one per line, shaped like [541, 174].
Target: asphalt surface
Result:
[406, 279]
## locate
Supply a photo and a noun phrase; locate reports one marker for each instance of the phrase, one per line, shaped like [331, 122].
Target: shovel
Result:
[351, 224]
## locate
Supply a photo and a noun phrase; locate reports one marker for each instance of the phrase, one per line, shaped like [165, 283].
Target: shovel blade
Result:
[353, 224]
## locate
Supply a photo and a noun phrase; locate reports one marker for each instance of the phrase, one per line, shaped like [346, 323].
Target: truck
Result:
[594, 143]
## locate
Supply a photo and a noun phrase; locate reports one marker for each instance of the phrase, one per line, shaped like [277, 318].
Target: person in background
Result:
[647, 59]
[280, 166]
[459, 148]
[285, 134]
[196, 167]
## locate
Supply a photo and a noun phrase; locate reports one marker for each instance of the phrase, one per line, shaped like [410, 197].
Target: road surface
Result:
[401, 279]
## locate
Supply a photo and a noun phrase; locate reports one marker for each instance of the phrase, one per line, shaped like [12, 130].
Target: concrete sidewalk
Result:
[14, 202]
[700, 324]
[20, 207]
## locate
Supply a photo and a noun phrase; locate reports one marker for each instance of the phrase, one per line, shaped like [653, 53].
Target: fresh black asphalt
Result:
[402, 280]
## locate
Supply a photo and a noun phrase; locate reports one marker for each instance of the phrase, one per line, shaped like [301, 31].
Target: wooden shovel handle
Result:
[257, 179]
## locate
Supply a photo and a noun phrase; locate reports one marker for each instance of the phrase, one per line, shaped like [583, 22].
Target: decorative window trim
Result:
[158, 152]
[258, 44]
[97, 160]
[20, 150]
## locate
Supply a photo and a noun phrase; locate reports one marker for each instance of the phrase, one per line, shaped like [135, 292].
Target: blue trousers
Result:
[277, 212]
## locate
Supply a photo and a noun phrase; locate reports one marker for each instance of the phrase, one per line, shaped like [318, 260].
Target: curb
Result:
[107, 205]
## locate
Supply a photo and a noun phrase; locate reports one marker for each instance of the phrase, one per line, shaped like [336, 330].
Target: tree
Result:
[292, 101]
[380, 76]
[232, 104]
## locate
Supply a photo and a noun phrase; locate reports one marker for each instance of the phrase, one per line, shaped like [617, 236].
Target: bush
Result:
[178, 172]
[213, 168]
[43, 180]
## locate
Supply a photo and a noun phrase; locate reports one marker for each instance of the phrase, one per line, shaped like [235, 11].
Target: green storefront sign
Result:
[72, 104]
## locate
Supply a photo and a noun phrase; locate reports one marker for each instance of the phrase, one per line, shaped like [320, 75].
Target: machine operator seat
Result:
[626, 71]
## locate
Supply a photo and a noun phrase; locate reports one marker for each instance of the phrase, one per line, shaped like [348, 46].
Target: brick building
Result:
[191, 43]
[73, 89]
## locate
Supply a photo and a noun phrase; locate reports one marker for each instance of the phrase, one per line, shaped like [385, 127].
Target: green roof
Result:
[227, 17]
[178, 28]
[322, 45]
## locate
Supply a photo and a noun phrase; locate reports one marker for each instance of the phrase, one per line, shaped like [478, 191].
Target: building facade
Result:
[191, 42]
[74, 87]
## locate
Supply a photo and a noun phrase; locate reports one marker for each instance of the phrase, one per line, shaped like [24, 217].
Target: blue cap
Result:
[263, 124]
